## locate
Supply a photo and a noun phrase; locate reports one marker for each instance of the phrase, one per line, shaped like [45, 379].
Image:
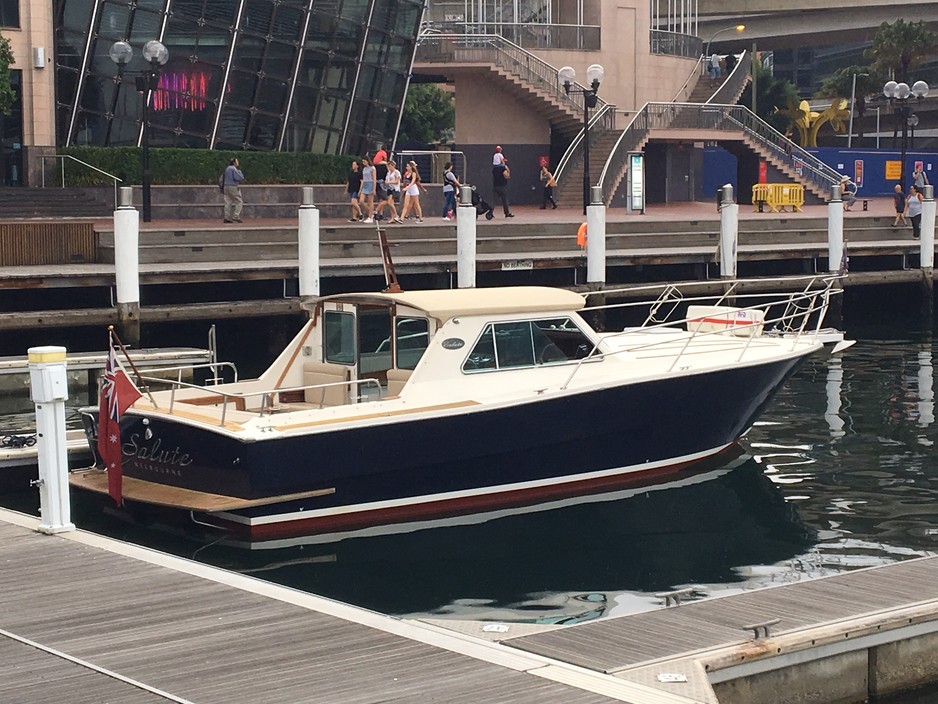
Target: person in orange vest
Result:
[581, 235]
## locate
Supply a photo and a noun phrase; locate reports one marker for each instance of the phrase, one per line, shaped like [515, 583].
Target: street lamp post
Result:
[594, 76]
[156, 55]
[898, 95]
[738, 28]
[853, 107]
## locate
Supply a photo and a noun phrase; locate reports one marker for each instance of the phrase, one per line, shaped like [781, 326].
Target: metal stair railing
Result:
[69, 157]
[732, 87]
[498, 51]
[713, 117]
[602, 120]
[616, 164]
[807, 166]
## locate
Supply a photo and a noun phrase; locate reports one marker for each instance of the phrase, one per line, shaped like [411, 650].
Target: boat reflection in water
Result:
[569, 560]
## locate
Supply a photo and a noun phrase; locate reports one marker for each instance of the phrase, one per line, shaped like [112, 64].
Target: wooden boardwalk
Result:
[113, 622]
[89, 619]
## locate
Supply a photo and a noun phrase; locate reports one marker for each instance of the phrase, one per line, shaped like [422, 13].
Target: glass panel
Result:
[559, 340]
[280, 60]
[264, 130]
[90, 128]
[146, 27]
[241, 87]
[249, 54]
[272, 95]
[232, 128]
[123, 133]
[66, 83]
[257, 16]
[76, 15]
[339, 337]
[115, 20]
[374, 339]
[483, 354]
[514, 345]
[288, 23]
[98, 93]
[9, 13]
[412, 336]
[355, 11]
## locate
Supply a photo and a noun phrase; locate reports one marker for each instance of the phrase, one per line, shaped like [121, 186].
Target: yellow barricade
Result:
[778, 196]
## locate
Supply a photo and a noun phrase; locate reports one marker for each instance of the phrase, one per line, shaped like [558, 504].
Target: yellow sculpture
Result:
[808, 122]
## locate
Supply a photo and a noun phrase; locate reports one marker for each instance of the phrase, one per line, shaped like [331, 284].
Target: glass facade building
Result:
[327, 76]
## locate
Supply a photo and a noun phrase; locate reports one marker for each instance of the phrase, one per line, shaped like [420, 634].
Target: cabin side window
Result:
[339, 337]
[411, 335]
[528, 343]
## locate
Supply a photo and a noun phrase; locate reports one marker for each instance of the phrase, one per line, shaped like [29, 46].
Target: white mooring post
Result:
[49, 391]
[466, 239]
[596, 238]
[928, 228]
[729, 233]
[835, 230]
[308, 245]
[127, 266]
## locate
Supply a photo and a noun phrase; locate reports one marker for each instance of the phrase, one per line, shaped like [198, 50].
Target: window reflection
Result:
[270, 50]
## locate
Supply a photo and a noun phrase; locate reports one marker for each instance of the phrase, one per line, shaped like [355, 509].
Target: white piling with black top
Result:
[308, 234]
[835, 230]
[596, 238]
[466, 239]
[127, 266]
[49, 392]
[729, 233]
[928, 227]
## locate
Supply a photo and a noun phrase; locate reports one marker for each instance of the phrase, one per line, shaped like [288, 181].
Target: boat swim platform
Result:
[103, 620]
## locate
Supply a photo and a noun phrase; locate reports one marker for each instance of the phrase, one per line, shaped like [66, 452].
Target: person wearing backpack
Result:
[450, 184]
[230, 184]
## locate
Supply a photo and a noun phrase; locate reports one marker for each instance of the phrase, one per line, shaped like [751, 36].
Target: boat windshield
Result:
[527, 343]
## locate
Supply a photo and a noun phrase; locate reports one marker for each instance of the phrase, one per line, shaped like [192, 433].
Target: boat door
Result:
[374, 325]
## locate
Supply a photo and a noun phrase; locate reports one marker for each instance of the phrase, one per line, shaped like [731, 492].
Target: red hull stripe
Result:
[448, 507]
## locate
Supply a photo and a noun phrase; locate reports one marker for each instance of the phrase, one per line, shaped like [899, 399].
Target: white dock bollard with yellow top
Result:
[49, 391]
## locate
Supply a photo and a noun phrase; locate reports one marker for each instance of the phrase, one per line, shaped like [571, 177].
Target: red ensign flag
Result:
[118, 393]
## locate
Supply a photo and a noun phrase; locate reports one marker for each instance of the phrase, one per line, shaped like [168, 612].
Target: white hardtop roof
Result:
[444, 304]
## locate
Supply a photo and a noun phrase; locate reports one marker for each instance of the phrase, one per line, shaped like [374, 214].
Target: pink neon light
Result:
[182, 91]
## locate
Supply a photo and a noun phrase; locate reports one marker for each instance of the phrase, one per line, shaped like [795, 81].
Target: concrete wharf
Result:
[674, 242]
[90, 619]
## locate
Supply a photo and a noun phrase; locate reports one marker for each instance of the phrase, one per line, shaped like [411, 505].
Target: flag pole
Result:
[113, 333]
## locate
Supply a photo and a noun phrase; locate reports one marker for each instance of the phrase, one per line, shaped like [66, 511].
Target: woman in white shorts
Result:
[412, 188]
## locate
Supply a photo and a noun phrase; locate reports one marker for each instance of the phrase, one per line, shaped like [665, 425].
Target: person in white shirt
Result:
[392, 183]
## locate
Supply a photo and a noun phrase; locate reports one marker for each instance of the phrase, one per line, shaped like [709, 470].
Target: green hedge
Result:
[202, 166]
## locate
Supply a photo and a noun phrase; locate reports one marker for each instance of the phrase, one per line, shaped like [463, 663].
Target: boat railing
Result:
[213, 366]
[803, 310]
[239, 399]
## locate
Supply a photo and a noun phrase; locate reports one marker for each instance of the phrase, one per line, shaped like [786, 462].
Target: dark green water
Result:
[841, 473]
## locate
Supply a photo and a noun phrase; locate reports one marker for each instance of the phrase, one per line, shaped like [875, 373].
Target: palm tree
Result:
[900, 46]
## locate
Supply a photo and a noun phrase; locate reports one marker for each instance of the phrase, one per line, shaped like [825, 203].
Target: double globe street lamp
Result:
[898, 95]
[156, 55]
[594, 76]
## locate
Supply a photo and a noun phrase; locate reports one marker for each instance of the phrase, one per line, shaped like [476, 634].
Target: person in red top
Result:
[380, 162]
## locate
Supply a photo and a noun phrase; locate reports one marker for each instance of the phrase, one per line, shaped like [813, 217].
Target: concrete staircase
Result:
[28, 202]
[562, 115]
[569, 192]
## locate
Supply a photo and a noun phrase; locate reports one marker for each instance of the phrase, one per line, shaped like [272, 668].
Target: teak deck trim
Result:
[177, 497]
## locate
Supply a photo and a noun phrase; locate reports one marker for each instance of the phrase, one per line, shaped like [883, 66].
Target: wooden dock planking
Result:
[209, 642]
[30, 675]
[614, 644]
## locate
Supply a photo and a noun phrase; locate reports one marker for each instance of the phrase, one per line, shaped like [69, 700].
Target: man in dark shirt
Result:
[500, 176]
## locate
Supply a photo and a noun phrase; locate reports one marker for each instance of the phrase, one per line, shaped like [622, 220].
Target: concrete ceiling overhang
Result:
[776, 24]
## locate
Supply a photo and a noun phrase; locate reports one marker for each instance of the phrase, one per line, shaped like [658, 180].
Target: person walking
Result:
[714, 65]
[352, 190]
[450, 184]
[367, 197]
[500, 176]
[919, 179]
[392, 187]
[549, 184]
[913, 208]
[412, 188]
[898, 198]
[231, 187]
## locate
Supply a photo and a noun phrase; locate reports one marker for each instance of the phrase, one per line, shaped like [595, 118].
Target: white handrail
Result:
[63, 157]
